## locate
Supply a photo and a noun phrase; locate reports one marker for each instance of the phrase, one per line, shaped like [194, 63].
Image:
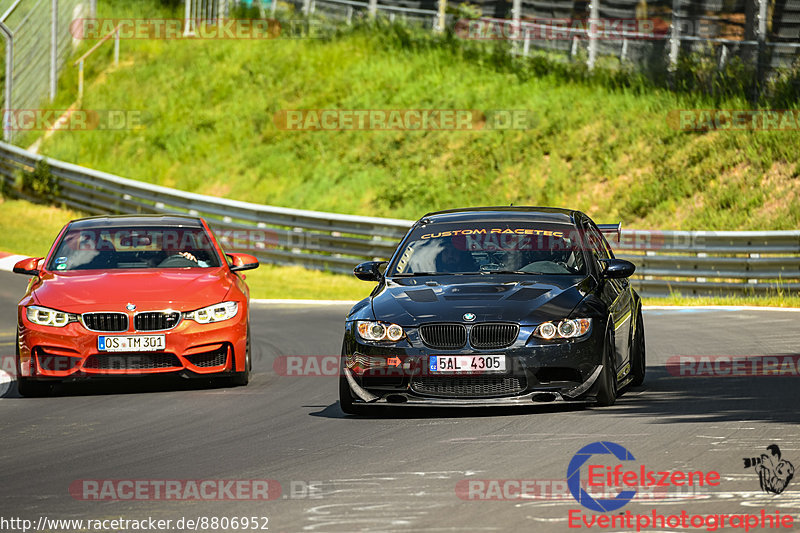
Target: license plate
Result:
[131, 343]
[460, 364]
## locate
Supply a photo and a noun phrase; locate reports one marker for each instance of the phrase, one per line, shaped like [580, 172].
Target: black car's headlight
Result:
[44, 316]
[213, 313]
[379, 331]
[569, 328]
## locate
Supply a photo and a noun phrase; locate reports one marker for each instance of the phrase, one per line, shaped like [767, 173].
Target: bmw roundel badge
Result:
[469, 317]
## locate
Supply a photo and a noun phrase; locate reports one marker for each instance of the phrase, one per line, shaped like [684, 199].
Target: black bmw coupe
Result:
[495, 306]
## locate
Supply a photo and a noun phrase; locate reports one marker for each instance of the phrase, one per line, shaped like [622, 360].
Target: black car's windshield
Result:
[491, 247]
[130, 247]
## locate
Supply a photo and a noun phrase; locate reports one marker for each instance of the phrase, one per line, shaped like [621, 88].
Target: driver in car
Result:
[191, 257]
[454, 260]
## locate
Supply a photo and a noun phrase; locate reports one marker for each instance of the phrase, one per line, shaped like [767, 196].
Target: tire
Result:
[241, 379]
[345, 396]
[638, 354]
[32, 388]
[607, 390]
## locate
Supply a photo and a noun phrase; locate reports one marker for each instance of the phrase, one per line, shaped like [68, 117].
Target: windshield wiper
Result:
[511, 272]
[412, 274]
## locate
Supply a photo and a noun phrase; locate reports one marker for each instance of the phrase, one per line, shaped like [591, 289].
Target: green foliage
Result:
[40, 183]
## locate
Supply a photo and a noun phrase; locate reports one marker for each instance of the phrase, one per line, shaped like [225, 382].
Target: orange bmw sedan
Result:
[133, 296]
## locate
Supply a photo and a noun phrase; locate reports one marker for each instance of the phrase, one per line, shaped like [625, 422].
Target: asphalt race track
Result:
[401, 470]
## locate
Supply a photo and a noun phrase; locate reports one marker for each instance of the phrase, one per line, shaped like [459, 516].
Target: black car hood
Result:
[506, 298]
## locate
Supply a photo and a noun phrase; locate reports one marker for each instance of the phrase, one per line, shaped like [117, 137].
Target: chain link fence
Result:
[37, 42]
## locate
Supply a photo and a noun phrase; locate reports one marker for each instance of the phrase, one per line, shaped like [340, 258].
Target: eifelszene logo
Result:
[574, 477]
[605, 479]
[608, 487]
[774, 473]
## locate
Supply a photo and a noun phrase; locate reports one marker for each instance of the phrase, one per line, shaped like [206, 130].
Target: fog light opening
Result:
[396, 398]
[544, 397]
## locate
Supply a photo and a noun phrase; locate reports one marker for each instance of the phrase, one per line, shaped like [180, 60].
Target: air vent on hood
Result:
[422, 295]
[480, 289]
[527, 293]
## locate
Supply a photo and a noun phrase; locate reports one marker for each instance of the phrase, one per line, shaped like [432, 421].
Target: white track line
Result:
[7, 262]
[276, 301]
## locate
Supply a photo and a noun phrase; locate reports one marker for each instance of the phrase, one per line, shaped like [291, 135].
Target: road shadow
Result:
[669, 397]
[136, 385]
[403, 412]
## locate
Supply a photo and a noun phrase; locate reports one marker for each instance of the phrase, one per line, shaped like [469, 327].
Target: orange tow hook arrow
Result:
[394, 361]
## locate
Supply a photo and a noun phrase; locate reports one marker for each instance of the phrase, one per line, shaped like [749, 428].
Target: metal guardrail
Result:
[689, 262]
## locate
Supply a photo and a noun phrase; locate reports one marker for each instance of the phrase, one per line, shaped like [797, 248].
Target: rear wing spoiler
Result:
[611, 229]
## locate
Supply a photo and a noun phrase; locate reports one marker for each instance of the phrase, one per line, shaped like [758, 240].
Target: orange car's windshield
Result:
[121, 247]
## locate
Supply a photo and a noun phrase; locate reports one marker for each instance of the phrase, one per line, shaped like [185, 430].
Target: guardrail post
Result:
[7, 131]
[675, 35]
[440, 18]
[594, 19]
[53, 49]
[373, 8]
[222, 12]
[761, 55]
[516, 16]
[188, 28]
[526, 44]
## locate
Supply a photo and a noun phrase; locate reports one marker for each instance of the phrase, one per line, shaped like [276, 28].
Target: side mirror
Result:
[29, 266]
[241, 262]
[617, 269]
[369, 271]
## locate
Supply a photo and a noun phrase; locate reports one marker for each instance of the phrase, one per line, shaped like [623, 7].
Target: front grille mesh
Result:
[493, 335]
[209, 359]
[443, 336]
[131, 361]
[467, 386]
[106, 321]
[156, 320]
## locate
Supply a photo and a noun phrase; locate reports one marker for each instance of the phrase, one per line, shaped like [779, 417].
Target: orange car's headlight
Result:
[44, 316]
[213, 313]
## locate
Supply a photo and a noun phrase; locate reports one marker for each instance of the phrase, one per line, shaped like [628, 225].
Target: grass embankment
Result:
[29, 229]
[208, 127]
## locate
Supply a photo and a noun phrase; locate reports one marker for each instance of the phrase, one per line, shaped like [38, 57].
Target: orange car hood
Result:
[182, 289]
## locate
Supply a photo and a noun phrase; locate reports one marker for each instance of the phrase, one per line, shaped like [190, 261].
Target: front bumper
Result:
[413, 399]
[71, 352]
[537, 371]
